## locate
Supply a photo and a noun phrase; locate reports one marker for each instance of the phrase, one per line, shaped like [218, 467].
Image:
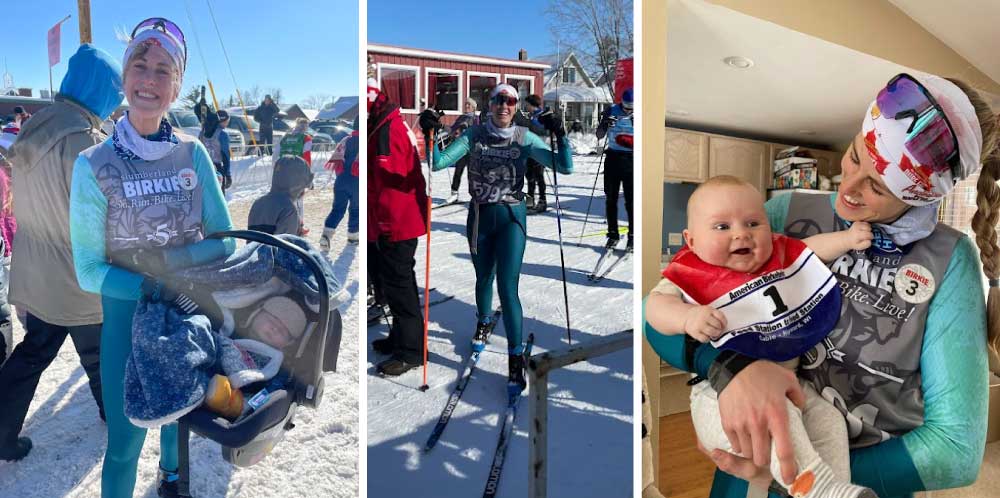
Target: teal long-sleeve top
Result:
[533, 147]
[88, 218]
[947, 450]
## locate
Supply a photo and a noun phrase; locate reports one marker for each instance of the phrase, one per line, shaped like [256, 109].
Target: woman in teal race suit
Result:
[906, 363]
[497, 227]
[142, 202]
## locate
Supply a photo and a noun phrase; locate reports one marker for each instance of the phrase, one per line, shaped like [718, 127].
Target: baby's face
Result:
[728, 227]
[270, 331]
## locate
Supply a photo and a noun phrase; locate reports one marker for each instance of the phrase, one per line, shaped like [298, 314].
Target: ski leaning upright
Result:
[456, 395]
[506, 430]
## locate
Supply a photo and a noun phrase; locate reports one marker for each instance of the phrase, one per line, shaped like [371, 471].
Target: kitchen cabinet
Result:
[686, 156]
[743, 159]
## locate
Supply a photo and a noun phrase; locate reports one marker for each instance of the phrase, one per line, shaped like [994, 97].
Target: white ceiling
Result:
[797, 83]
[969, 27]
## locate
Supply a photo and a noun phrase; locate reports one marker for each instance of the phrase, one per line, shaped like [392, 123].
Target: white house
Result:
[578, 96]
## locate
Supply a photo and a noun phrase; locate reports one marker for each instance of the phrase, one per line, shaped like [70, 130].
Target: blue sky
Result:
[304, 47]
[497, 29]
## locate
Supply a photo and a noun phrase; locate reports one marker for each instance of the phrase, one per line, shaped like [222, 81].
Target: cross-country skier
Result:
[122, 231]
[496, 227]
[617, 125]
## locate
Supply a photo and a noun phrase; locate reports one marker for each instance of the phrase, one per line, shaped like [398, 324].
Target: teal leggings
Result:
[124, 439]
[498, 235]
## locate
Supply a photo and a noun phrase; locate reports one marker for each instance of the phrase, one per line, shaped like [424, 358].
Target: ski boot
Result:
[540, 207]
[453, 198]
[352, 237]
[483, 329]
[612, 242]
[517, 365]
[168, 486]
[16, 451]
[529, 201]
[629, 245]
[377, 312]
[324, 240]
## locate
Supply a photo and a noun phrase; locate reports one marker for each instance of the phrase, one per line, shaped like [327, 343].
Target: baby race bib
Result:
[777, 313]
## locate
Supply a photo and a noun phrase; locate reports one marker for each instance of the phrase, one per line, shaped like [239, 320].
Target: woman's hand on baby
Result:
[704, 323]
[859, 236]
[753, 410]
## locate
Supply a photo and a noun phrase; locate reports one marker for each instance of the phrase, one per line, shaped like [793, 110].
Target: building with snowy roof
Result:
[417, 78]
[578, 96]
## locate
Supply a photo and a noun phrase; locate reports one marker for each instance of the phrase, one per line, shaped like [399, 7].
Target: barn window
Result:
[399, 83]
[480, 86]
[524, 84]
[444, 90]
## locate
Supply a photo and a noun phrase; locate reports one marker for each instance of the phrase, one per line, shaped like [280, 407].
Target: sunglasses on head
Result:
[930, 138]
[503, 98]
[164, 26]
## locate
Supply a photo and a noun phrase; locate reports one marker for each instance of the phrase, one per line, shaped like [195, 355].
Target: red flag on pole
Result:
[54, 37]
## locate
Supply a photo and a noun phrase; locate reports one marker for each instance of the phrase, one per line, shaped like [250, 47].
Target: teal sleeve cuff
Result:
[887, 469]
[672, 349]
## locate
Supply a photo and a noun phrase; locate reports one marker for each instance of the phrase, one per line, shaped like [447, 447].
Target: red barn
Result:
[417, 78]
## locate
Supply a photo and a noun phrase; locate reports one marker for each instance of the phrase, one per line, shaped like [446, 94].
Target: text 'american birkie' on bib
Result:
[777, 313]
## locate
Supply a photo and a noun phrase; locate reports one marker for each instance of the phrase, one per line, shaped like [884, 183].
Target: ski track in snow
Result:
[318, 458]
[590, 403]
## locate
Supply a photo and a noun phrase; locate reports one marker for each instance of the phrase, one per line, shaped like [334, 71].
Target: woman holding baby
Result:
[906, 362]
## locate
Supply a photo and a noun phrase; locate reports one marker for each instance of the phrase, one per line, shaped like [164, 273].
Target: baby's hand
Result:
[704, 323]
[859, 236]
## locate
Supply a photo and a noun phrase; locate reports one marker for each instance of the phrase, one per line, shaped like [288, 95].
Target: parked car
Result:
[237, 123]
[335, 130]
[319, 136]
[187, 121]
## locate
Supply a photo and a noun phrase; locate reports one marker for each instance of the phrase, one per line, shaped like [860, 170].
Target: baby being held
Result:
[734, 261]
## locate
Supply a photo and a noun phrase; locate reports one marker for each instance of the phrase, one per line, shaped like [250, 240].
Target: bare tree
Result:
[599, 32]
[276, 95]
[317, 101]
[252, 96]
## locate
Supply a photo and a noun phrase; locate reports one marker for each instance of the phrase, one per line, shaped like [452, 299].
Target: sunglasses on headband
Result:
[930, 138]
[165, 26]
[502, 98]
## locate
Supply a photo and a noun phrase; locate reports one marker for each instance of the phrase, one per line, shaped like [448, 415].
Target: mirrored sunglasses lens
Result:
[933, 144]
[904, 95]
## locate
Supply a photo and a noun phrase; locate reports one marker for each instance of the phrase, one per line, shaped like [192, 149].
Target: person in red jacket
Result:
[397, 216]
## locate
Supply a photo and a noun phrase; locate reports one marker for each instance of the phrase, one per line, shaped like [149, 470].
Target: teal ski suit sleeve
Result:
[541, 152]
[456, 150]
[88, 217]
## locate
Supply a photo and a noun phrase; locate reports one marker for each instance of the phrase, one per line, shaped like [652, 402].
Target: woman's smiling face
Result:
[863, 195]
[502, 107]
[151, 82]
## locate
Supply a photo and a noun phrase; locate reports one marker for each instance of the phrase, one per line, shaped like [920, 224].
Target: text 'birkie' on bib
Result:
[777, 313]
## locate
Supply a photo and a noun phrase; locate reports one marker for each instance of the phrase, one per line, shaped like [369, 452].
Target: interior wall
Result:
[875, 27]
[653, 101]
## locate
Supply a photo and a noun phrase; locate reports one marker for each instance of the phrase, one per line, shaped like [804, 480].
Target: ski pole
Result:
[427, 258]
[600, 162]
[562, 255]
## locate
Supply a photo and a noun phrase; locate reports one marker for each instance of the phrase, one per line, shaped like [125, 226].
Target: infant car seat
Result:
[250, 438]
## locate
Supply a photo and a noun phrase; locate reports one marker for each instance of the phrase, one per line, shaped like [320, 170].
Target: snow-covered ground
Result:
[590, 403]
[318, 458]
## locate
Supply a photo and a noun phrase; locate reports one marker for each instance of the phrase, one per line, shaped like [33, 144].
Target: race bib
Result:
[777, 313]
